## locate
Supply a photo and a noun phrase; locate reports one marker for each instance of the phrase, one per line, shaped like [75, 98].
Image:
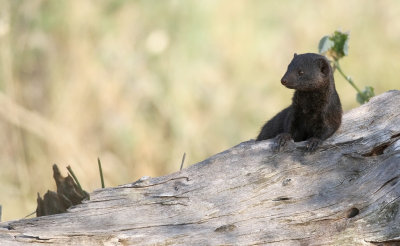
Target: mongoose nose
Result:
[283, 81]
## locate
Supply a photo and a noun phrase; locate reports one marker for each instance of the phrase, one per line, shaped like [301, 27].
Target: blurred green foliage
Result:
[336, 46]
[138, 83]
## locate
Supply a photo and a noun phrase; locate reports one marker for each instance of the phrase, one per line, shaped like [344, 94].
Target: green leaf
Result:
[360, 98]
[325, 44]
[369, 91]
[364, 96]
[346, 47]
[341, 44]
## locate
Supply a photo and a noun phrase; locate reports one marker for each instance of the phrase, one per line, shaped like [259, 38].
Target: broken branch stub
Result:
[68, 194]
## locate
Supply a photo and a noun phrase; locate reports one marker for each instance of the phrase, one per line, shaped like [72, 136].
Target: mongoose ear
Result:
[324, 66]
[295, 54]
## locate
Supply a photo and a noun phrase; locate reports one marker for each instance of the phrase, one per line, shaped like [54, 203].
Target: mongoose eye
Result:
[300, 72]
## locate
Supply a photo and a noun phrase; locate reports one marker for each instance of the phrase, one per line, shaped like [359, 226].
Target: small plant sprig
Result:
[336, 46]
[101, 173]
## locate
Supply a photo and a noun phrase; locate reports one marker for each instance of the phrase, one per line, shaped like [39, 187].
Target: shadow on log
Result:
[346, 193]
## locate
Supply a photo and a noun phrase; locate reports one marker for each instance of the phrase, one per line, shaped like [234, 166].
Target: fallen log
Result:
[345, 193]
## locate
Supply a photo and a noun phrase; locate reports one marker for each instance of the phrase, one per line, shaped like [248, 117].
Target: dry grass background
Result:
[138, 83]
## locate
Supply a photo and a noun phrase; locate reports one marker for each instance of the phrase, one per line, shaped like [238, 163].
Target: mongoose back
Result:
[315, 113]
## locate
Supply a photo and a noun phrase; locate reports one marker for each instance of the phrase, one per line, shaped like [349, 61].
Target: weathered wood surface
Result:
[346, 193]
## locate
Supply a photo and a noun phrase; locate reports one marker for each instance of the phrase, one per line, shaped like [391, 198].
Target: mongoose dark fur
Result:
[315, 113]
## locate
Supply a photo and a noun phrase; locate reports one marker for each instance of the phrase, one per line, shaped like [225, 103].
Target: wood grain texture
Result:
[346, 193]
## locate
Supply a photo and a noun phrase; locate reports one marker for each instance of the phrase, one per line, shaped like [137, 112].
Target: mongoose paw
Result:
[312, 144]
[281, 141]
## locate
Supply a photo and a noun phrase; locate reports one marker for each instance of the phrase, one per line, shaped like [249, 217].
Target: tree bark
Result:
[345, 193]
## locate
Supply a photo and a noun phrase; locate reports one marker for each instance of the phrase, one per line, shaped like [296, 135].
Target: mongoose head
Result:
[308, 72]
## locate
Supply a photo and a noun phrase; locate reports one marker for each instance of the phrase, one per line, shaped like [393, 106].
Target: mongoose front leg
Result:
[312, 144]
[280, 141]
